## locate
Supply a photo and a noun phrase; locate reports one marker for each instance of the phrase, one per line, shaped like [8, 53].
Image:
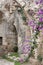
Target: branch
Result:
[25, 12]
[18, 3]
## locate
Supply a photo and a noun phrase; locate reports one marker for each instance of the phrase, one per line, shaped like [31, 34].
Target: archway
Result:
[11, 36]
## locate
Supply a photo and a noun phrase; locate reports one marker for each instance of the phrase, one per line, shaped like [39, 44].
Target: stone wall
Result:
[3, 30]
[9, 34]
[40, 50]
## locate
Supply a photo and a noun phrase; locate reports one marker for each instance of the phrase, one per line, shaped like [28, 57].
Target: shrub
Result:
[39, 58]
[15, 49]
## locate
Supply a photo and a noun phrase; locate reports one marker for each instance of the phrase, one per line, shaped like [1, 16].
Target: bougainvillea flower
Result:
[26, 48]
[41, 19]
[32, 24]
[37, 2]
[40, 11]
[41, 1]
[39, 27]
[21, 60]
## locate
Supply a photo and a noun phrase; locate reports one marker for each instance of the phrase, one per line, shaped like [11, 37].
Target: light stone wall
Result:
[2, 32]
[7, 35]
[40, 50]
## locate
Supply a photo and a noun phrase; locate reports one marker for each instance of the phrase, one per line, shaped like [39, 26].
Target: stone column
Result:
[40, 49]
[27, 35]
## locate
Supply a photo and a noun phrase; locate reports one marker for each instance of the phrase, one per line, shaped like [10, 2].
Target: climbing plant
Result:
[37, 26]
[20, 10]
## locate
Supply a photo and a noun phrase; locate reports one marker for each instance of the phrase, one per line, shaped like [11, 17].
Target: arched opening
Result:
[11, 37]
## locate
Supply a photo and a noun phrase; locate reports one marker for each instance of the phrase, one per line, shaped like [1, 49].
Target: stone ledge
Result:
[34, 61]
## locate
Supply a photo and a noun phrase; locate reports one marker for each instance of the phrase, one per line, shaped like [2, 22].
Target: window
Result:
[0, 40]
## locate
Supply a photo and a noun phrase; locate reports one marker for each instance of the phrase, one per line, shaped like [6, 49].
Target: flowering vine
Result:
[36, 26]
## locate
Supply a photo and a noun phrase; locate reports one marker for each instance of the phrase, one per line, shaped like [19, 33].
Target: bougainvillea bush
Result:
[36, 24]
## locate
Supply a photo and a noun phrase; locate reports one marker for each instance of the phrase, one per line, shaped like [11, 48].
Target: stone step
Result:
[5, 62]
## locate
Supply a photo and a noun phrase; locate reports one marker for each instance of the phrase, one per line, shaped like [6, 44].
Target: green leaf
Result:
[14, 54]
[24, 18]
[17, 63]
[39, 58]
[35, 45]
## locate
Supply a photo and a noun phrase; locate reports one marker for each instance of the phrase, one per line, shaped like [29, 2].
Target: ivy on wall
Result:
[38, 26]
[20, 10]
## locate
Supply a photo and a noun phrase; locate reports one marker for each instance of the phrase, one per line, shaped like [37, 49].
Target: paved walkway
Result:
[5, 62]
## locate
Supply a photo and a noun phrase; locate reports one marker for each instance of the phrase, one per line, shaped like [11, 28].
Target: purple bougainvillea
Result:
[37, 2]
[32, 24]
[41, 19]
[41, 1]
[26, 48]
[21, 60]
[40, 11]
[40, 27]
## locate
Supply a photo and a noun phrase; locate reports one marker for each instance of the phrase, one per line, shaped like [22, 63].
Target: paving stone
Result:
[5, 62]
